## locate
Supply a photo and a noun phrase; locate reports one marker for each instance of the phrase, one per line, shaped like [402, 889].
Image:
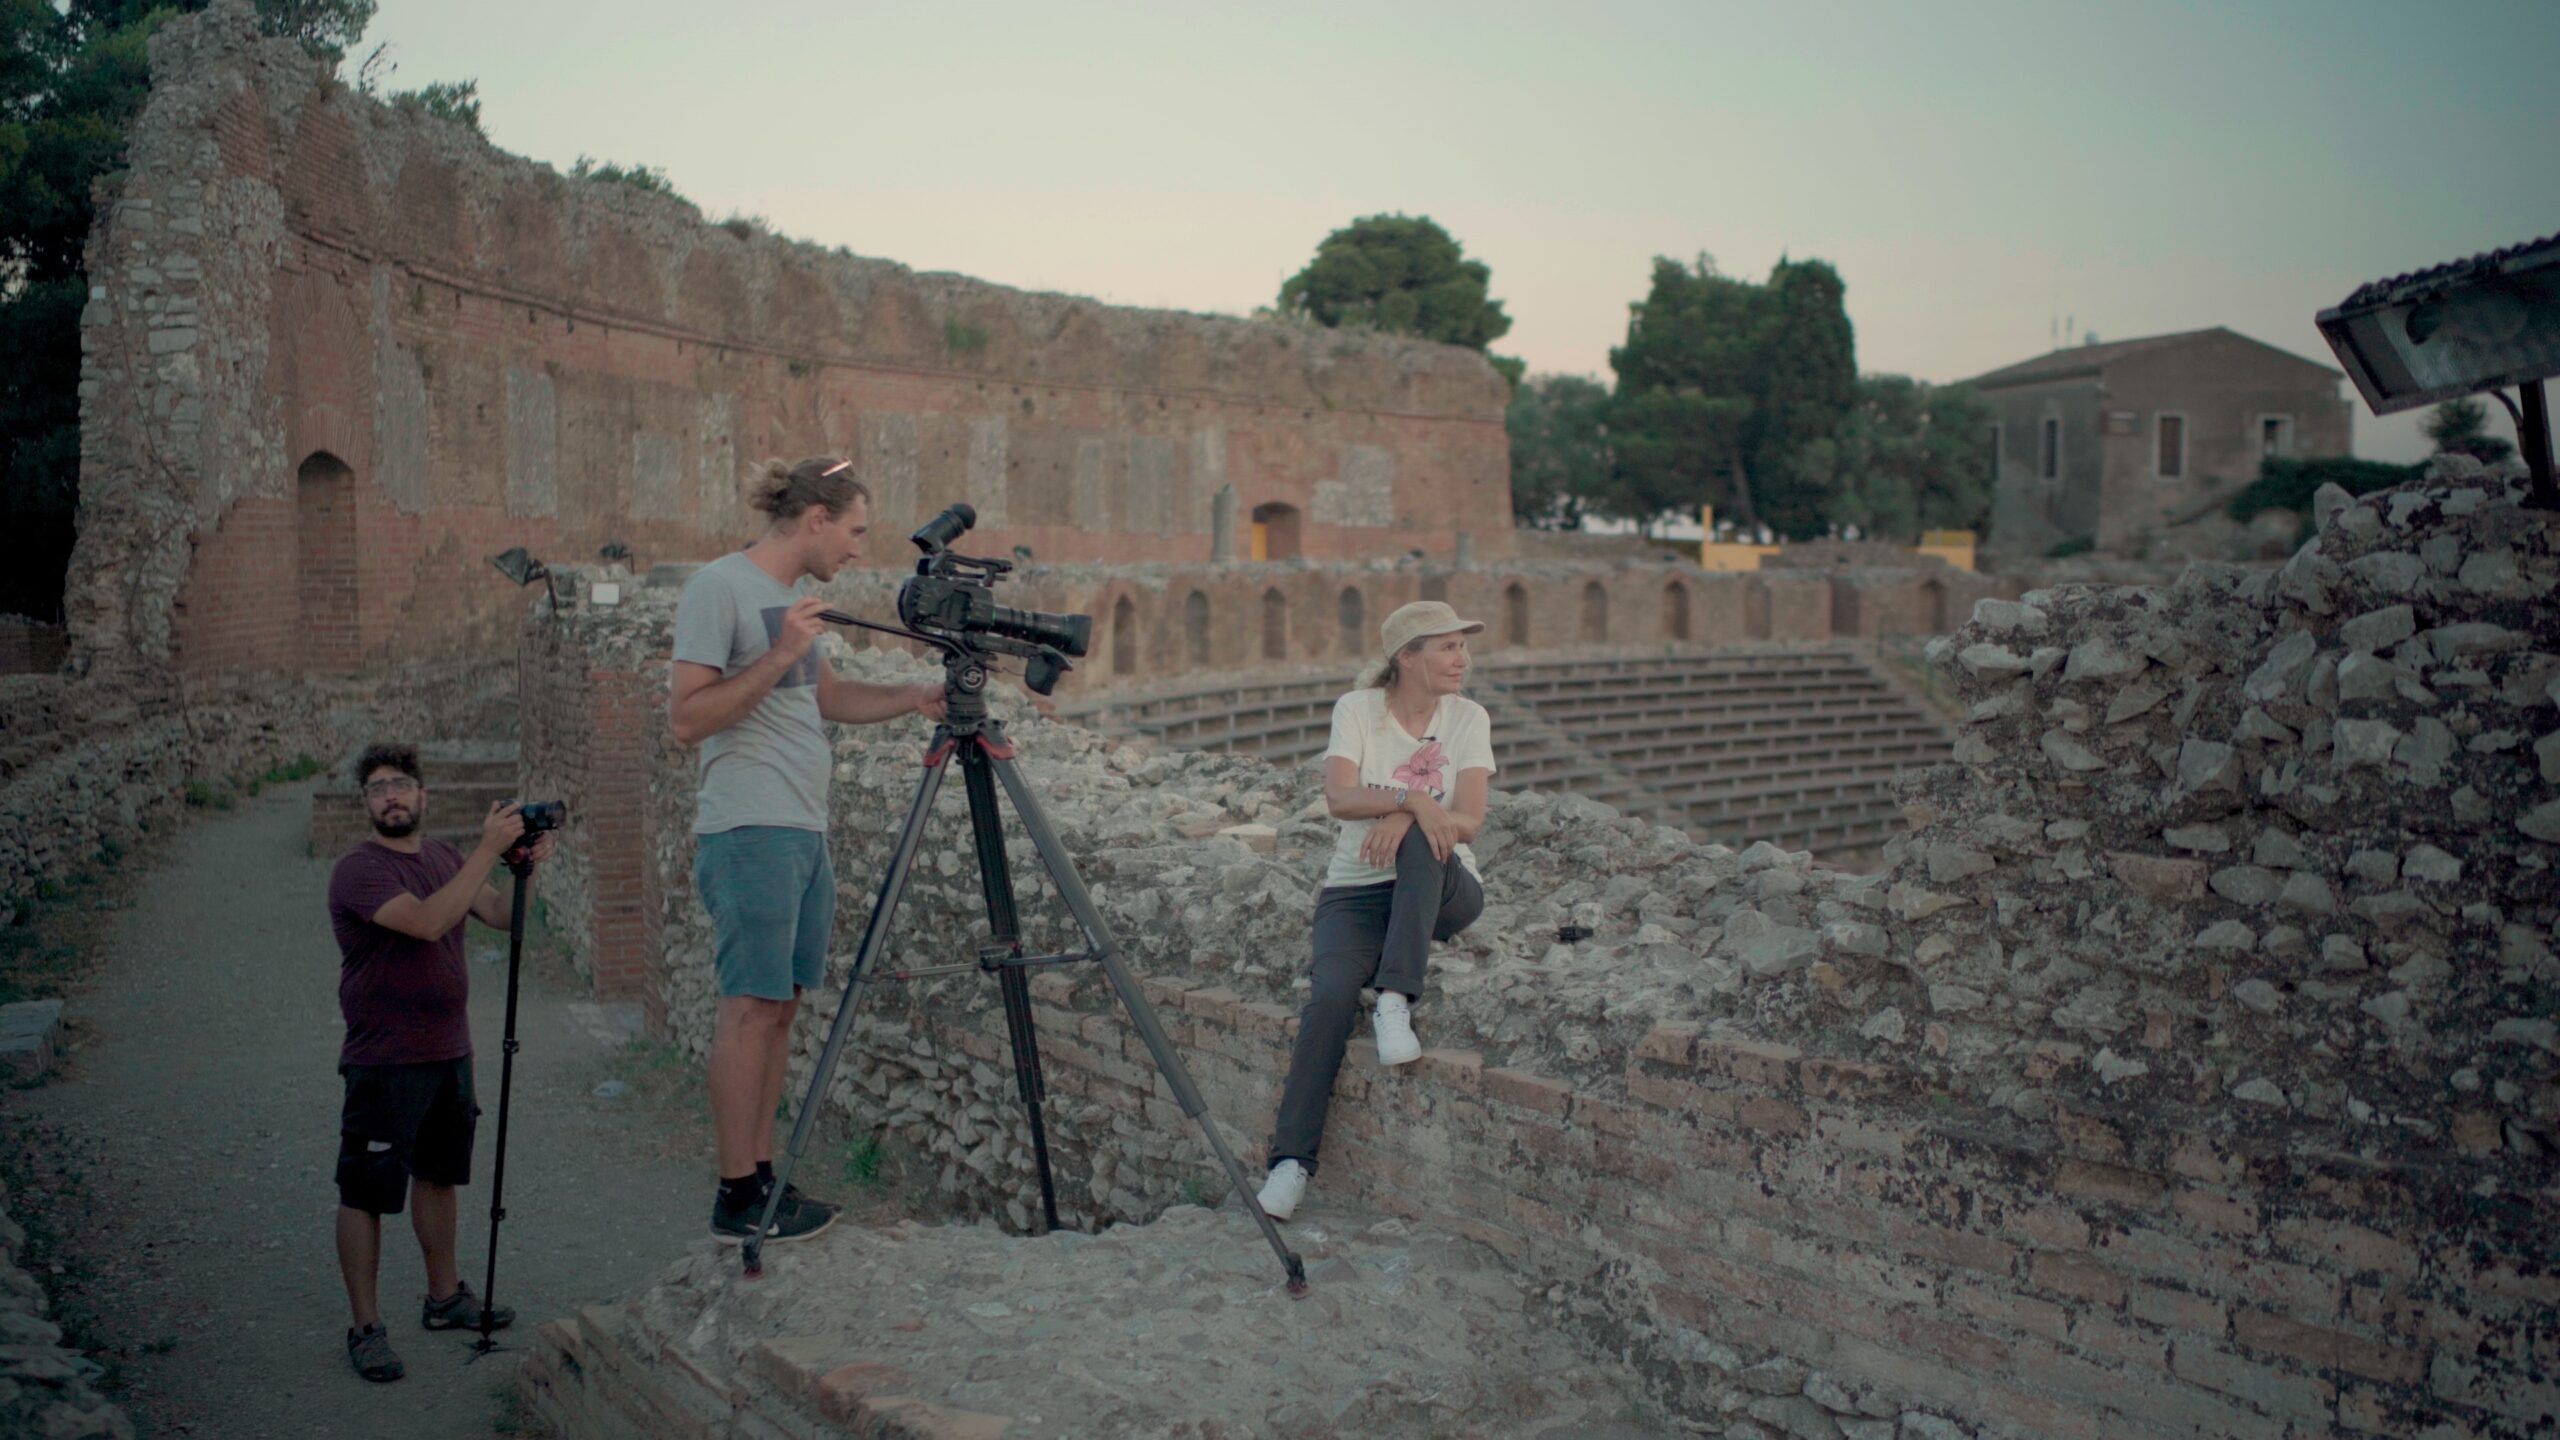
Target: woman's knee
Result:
[1414, 857]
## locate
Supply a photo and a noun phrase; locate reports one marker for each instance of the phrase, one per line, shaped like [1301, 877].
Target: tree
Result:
[1561, 465]
[1908, 457]
[1404, 275]
[2461, 427]
[454, 100]
[639, 177]
[1722, 382]
[1804, 382]
[72, 78]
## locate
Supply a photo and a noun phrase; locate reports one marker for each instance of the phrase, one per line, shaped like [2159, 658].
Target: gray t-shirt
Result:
[771, 767]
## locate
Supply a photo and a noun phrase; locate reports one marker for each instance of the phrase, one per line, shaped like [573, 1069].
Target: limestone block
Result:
[2379, 629]
[30, 1039]
[2283, 670]
[2365, 742]
[2246, 884]
[2068, 753]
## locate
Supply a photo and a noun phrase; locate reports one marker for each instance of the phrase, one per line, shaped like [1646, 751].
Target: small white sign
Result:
[605, 592]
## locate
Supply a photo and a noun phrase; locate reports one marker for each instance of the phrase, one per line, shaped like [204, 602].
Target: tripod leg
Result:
[1062, 872]
[506, 1091]
[883, 909]
[995, 877]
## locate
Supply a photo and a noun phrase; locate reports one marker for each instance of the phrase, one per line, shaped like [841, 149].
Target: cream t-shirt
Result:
[1390, 757]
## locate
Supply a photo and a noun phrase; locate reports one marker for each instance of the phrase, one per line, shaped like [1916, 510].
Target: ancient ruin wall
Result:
[2191, 1072]
[337, 353]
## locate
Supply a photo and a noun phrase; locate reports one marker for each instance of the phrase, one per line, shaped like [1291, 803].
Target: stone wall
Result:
[338, 352]
[2190, 1072]
[89, 767]
[45, 1389]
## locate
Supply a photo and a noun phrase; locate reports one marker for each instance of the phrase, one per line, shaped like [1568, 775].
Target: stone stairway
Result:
[464, 777]
[1796, 745]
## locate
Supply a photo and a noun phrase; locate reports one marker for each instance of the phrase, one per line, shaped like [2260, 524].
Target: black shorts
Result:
[402, 1121]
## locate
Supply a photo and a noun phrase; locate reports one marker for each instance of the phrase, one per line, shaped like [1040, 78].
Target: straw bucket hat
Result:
[1418, 621]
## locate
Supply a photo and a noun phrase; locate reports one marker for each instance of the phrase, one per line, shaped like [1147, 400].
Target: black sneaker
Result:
[792, 1199]
[369, 1350]
[796, 1218]
[461, 1311]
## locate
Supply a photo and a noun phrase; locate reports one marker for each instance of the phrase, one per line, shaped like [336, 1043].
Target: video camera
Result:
[950, 597]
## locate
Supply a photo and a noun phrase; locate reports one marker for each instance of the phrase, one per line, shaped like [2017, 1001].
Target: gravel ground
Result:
[1177, 1327]
[184, 1157]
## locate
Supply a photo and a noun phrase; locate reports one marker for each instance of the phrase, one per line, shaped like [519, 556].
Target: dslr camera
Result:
[538, 816]
[951, 596]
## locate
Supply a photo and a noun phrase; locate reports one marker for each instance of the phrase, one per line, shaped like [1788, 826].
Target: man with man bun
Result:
[750, 689]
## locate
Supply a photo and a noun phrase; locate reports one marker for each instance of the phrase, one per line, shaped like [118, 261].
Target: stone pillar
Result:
[1222, 526]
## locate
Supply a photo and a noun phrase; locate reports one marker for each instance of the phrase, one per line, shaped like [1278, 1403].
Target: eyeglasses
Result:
[400, 785]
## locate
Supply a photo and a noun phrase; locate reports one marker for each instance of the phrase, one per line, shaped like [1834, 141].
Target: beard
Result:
[391, 829]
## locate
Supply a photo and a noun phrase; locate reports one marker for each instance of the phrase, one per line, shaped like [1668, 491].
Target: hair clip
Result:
[830, 470]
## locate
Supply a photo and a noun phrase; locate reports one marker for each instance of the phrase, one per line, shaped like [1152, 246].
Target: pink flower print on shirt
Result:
[1424, 771]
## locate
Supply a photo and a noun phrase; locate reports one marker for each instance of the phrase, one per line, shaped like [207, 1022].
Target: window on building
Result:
[2049, 457]
[2169, 461]
[2275, 434]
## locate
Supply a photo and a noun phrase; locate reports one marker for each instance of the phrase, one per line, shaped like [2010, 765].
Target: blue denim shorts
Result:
[772, 898]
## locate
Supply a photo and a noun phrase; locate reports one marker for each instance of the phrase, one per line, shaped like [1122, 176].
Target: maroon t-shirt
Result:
[406, 1000]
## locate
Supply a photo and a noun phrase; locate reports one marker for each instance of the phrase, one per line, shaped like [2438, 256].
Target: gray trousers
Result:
[1365, 935]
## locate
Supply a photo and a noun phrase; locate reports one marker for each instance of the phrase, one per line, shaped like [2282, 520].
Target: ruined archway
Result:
[1276, 532]
[1275, 625]
[324, 550]
[1124, 637]
[1515, 614]
[1351, 616]
[1675, 611]
[1195, 628]
[1595, 611]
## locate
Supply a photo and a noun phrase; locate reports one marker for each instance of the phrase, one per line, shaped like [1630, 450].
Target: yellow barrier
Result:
[1953, 546]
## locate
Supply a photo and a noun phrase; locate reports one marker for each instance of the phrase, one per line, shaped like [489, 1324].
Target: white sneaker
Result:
[1393, 1020]
[1282, 1192]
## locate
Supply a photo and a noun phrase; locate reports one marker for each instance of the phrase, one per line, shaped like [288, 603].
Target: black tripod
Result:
[986, 758]
[519, 861]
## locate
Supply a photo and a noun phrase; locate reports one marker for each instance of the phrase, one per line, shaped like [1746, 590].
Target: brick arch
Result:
[1676, 611]
[1595, 612]
[1195, 628]
[326, 582]
[1351, 618]
[1124, 636]
[1275, 624]
[1515, 614]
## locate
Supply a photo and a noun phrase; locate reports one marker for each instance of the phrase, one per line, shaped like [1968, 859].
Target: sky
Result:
[1981, 174]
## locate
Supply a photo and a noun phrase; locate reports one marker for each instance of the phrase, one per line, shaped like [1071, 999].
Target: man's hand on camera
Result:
[541, 849]
[503, 827]
[1385, 838]
[931, 703]
[801, 626]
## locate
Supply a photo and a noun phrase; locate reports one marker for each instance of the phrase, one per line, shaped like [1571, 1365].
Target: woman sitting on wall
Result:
[1405, 774]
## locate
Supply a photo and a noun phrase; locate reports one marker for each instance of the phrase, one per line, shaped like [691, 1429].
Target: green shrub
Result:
[2286, 484]
[2080, 545]
[962, 338]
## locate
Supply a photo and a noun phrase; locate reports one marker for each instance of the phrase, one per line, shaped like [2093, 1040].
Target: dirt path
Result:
[185, 1154]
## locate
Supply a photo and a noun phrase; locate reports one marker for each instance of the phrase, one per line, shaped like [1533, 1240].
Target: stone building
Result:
[338, 352]
[2108, 442]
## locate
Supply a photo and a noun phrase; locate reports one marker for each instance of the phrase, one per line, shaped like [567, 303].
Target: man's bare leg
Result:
[434, 1211]
[359, 1261]
[777, 1071]
[745, 1041]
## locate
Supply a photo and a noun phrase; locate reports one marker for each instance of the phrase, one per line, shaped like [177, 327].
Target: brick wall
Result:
[499, 356]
